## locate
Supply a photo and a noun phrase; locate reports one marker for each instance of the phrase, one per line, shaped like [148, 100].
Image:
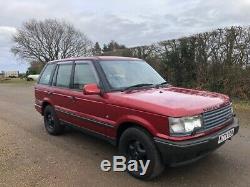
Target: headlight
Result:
[184, 125]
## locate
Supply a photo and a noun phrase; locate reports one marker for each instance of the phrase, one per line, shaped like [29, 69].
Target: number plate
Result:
[223, 137]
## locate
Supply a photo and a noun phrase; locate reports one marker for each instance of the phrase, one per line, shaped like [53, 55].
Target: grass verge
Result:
[16, 81]
[241, 104]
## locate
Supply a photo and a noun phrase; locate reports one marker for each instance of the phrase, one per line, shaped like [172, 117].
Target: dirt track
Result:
[30, 157]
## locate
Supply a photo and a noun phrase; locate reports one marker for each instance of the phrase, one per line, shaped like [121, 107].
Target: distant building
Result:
[10, 74]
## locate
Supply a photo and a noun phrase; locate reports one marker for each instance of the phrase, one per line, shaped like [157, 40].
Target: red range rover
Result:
[126, 102]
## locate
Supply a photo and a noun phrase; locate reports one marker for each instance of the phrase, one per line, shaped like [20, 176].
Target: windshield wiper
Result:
[161, 84]
[136, 86]
[165, 82]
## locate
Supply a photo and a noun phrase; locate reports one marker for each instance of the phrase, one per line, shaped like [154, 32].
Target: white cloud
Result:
[6, 33]
[7, 30]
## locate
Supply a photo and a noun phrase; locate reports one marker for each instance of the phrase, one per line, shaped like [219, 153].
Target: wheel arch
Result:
[128, 124]
[45, 103]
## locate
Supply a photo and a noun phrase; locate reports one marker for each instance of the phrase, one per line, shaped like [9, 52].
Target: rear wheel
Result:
[51, 121]
[137, 144]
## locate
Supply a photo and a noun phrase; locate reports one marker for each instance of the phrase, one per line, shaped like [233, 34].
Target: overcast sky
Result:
[130, 22]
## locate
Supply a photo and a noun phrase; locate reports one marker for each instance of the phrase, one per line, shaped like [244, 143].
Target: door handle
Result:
[50, 93]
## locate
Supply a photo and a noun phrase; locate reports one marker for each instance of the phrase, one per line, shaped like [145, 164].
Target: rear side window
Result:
[84, 74]
[64, 75]
[47, 73]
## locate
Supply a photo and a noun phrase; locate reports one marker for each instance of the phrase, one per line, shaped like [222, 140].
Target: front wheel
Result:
[51, 122]
[137, 144]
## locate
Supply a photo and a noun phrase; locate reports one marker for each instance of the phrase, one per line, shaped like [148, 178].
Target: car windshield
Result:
[125, 74]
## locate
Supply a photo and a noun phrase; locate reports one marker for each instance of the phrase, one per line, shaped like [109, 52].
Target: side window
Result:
[47, 73]
[84, 74]
[63, 75]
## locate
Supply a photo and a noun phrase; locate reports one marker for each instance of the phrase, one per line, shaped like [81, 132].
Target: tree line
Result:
[216, 60]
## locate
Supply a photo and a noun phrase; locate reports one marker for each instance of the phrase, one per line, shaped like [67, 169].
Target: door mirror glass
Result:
[91, 89]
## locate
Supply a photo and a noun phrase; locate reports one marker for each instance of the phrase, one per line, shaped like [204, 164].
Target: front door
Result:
[89, 110]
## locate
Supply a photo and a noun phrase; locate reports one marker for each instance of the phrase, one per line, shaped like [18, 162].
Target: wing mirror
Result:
[91, 89]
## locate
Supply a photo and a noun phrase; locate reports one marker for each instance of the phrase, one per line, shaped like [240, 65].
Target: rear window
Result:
[47, 73]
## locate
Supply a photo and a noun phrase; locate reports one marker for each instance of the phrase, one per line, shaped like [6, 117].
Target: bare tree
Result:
[48, 40]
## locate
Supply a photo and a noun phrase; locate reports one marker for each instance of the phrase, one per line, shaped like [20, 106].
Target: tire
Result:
[129, 140]
[51, 121]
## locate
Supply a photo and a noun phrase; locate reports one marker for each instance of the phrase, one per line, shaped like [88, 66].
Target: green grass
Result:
[241, 104]
[16, 81]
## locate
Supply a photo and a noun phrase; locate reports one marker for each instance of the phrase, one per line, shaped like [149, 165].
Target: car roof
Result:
[95, 58]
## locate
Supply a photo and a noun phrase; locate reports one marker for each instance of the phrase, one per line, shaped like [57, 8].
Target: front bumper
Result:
[38, 108]
[184, 152]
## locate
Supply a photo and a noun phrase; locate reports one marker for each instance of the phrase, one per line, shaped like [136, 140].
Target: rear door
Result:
[43, 88]
[61, 93]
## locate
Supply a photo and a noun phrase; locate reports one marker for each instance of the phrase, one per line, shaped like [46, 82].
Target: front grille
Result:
[217, 117]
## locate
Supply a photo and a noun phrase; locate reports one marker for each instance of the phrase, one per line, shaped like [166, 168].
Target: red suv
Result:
[126, 102]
